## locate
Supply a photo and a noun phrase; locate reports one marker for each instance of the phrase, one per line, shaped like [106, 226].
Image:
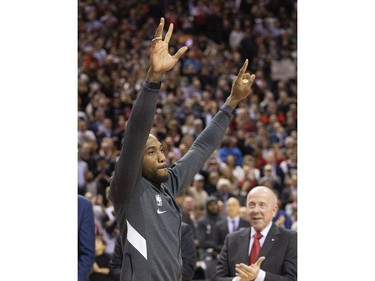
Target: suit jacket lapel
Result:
[271, 240]
[243, 243]
[225, 228]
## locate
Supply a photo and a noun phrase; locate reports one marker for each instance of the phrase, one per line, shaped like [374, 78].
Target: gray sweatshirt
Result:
[148, 216]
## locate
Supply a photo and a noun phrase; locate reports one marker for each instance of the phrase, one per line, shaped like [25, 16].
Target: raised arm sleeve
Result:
[129, 166]
[184, 170]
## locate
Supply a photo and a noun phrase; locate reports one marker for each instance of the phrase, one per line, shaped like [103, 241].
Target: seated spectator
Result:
[233, 222]
[229, 147]
[224, 190]
[197, 190]
[281, 218]
[207, 248]
[100, 268]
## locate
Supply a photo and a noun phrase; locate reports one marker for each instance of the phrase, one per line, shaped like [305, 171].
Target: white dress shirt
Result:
[261, 273]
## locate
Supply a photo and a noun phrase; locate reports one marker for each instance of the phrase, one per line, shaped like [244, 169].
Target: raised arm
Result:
[210, 138]
[129, 166]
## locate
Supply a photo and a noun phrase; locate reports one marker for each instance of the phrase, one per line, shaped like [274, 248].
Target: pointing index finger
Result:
[243, 69]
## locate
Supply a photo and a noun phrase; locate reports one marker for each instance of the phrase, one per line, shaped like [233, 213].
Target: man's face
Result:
[154, 166]
[233, 207]
[261, 206]
[213, 208]
[188, 203]
[199, 184]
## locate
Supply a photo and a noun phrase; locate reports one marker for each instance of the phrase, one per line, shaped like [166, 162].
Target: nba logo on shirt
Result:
[158, 200]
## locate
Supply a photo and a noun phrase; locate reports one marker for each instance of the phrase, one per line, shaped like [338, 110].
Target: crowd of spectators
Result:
[260, 147]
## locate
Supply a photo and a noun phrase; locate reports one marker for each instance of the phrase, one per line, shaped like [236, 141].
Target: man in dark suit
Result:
[86, 238]
[277, 259]
[233, 222]
[188, 254]
[207, 248]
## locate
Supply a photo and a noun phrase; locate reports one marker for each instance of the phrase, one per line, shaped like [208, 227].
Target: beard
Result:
[156, 176]
[160, 179]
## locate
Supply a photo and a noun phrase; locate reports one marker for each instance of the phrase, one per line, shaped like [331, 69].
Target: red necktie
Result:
[255, 249]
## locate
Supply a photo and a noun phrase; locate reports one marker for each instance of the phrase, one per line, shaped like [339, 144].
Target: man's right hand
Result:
[160, 59]
[248, 272]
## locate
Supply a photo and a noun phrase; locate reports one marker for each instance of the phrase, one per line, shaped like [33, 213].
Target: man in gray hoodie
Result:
[143, 188]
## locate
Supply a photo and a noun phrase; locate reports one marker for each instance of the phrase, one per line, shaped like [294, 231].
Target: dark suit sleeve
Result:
[216, 235]
[289, 266]
[222, 268]
[86, 238]
[116, 261]
[219, 234]
[188, 252]
[204, 235]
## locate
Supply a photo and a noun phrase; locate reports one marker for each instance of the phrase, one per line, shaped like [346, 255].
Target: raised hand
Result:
[241, 86]
[160, 59]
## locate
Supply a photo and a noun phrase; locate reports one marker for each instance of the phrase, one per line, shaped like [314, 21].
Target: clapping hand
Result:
[248, 272]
